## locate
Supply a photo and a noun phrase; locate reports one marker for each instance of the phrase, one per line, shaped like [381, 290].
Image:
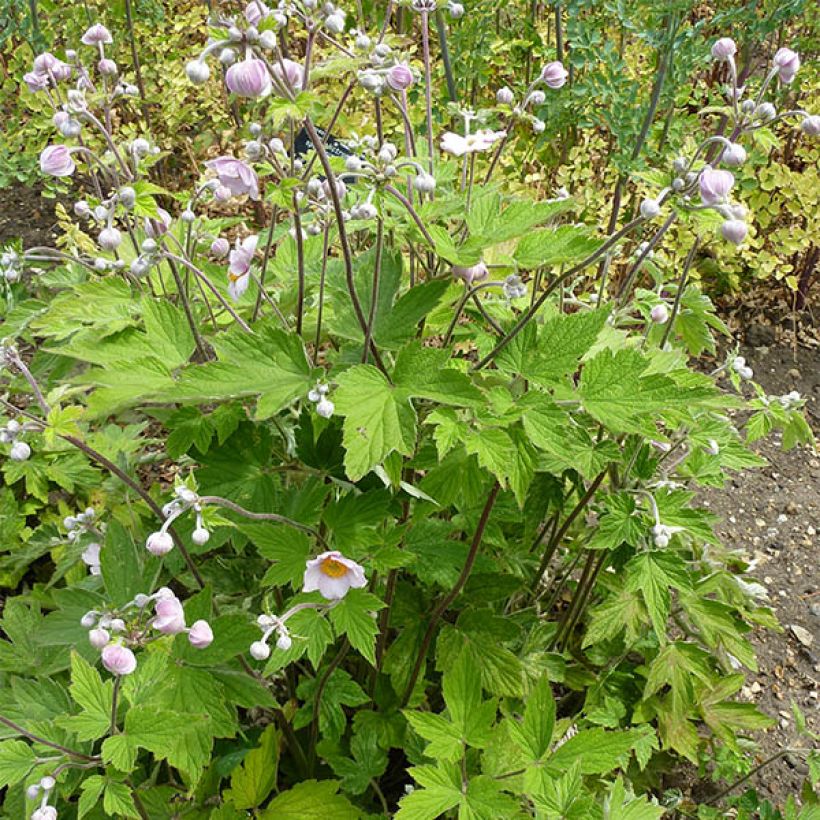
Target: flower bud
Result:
[268, 39]
[400, 77]
[81, 208]
[109, 239]
[107, 67]
[220, 247]
[141, 600]
[388, 152]
[353, 163]
[504, 96]
[734, 230]
[425, 183]
[159, 543]
[187, 216]
[98, 638]
[260, 651]
[118, 659]
[366, 211]
[650, 208]
[249, 78]
[222, 193]
[200, 536]
[734, 155]
[456, 10]
[745, 373]
[747, 106]
[537, 97]
[101, 263]
[141, 147]
[127, 196]
[335, 23]
[661, 540]
[284, 642]
[787, 62]
[56, 161]
[89, 619]
[538, 126]
[678, 184]
[117, 625]
[325, 408]
[170, 617]
[198, 71]
[810, 125]
[227, 56]
[32, 791]
[200, 636]
[20, 451]
[371, 81]
[70, 128]
[554, 74]
[254, 150]
[766, 111]
[659, 314]
[45, 813]
[724, 49]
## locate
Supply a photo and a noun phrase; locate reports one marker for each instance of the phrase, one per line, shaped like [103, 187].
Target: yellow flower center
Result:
[333, 568]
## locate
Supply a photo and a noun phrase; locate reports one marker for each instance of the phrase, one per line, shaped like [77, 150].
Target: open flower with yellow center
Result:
[333, 575]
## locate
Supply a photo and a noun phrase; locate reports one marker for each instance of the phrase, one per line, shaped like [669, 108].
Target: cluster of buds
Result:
[42, 790]
[788, 401]
[661, 534]
[514, 288]
[161, 542]
[10, 266]
[10, 434]
[553, 75]
[741, 368]
[456, 10]
[324, 406]
[333, 576]
[83, 524]
[386, 72]
[380, 164]
[116, 633]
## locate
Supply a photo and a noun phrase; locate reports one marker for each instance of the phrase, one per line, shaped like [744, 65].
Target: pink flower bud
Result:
[724, 49]
[97, 34]
[472, 275]
[157, 226]
[220, 247]
[248, 78]
[734, 230]
[20, 451]
[159, 543]
[200, 635]
[787, 63]
[107, 67]
[554, 74]
[810, 125]
[400, 77]
[734, 155]
[56, 161]
[98, 638]
[504, 96]
[50, 66]
[659, 314]
[35, 82]
[715, 185]
[170, 617]
[45, 813]
[255, 12]
[293, 74]
[118, 659]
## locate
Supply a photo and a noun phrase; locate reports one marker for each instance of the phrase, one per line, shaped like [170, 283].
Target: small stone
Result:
[794, 373]
[755, 688]
[803, 635]
[782, 518]
[760, 522]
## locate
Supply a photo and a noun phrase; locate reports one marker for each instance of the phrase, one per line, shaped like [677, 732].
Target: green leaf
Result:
[92, 787]
[555, 246]
[117, 800]
[121, 752]
[441, 792]
[311, 800]
[255, 778]
[443, 737]
[596, 750]
[652, 573]
[368, 763]
[534, 733]
[620, 806]
[17, 759]
[120, 564]
[354, 616]
[94, 696]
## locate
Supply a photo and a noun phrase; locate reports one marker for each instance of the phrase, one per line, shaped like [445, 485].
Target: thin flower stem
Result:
[412, 211]
[265, 260]
[690, 257]
[428, 87]
[114, 698]
[650, 246]
[441, 29]
[320, 310]
[343, 238]
[41, 740]
[259, 516]
[300, 266]
[317, 698]
[452, 594]
[187, 308]
[522, 322]
[374, 295]
[752, 773]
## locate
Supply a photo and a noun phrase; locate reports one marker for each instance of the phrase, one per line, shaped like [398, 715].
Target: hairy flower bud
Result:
[504, 96]
[96, 35]
[98, 638]
[89, 619]
[734, 155]
[56, 161]
[424, 183]
[335, 23]
[198, 71]
[107, 67]
[284, 642]
[255, 12]
[20, 451]
[766, 111]
[200, 636]
[715, 185]
[810, 125]
[109, 239]
[371, 81]
[659, 314]
[159, 543]
[536, 98]
[170, 617]
[220, 247]
[45, 813]
[538, 126]
[734, 230]
[471, 275]
[325, 408]
[200, 536]
[554, 74]
[724, 49]
[400, 77]
[260, 651]
[650, 208]
[127, 196]
[248, 78]
[118, 659]
[787, 63]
